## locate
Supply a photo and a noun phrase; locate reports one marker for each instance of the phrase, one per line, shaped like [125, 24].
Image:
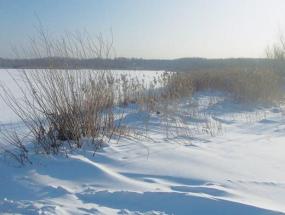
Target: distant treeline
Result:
[182, 64]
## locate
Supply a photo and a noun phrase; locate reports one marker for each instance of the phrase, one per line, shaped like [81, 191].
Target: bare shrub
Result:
[59, 106]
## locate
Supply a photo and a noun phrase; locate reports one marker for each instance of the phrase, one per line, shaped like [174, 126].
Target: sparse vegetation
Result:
[63, 107]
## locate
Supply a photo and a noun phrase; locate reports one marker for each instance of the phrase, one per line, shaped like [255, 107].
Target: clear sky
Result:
[153, 28]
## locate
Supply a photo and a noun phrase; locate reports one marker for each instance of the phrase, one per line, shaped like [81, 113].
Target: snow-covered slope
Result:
[238, 168]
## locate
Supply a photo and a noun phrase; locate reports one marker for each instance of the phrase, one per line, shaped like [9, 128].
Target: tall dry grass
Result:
[60, 106]
[248, 86]
[65, 106]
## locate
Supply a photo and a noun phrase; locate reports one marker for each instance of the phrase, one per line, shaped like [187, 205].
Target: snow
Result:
[239, 169]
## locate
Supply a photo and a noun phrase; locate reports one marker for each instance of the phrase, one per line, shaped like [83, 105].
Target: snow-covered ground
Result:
[229, 160]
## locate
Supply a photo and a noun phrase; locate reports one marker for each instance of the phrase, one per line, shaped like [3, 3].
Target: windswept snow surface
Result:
[239, 170]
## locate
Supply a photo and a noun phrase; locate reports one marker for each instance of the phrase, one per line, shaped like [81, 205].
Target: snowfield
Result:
[230, 160]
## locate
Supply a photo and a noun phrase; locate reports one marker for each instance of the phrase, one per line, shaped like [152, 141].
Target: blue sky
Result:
[152, 28]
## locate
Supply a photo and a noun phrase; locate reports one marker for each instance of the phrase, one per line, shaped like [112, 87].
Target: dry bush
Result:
[59, 106]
